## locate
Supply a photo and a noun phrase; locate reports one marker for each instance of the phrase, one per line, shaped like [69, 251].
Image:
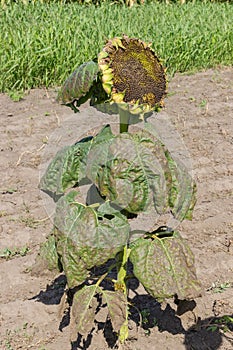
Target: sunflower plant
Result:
[130, 173]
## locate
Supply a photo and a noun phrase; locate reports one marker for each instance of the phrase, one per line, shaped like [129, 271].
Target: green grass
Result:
[40, 44]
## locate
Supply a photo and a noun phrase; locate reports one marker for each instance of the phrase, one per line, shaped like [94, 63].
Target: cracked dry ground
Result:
[200, 108]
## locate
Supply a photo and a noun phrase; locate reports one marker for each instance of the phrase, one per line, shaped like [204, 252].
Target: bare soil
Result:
[199, 107]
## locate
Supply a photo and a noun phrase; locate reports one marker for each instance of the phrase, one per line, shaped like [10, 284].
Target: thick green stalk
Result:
[124, 120]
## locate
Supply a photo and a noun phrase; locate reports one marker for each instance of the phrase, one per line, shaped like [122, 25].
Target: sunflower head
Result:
[132, 75]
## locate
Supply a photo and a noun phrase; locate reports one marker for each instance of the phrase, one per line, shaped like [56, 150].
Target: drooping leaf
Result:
[84, 308]
[75, 90]
[74, 267]
[164, 264]
[89, 227]
[98, 153]
[86, 237]
[131, 171]
[182, 196]
[106, 208]
[117, 304]
[47, 258]
[66, 169]
[85, 304]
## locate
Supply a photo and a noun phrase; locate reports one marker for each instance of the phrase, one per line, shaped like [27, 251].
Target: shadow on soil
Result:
[147, 313]
[206, 334]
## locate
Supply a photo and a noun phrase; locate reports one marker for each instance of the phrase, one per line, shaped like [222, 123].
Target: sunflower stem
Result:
[124, 120]
[120, 285]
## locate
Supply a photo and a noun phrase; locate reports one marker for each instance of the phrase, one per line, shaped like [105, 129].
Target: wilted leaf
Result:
[98, 153]
[131, 171]
[182, 196]
[86, 226]
[86, 237]
[84, 308]
[47, 258]
[117, 307]
[165, 266]
[78, 85]
[75, 269]
[66, 169]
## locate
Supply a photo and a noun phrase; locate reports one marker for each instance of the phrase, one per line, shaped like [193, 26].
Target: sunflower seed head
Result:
[132, 75]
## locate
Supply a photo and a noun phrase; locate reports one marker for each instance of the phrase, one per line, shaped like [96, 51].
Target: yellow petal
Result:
[107, 71]
[117, 43]
[107, 78]
[102, 54]
[103, 66]
[118, 97]
[107, 87]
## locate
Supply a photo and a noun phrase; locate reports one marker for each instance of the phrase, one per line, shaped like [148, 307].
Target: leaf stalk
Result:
[120, 284]
[124, 120]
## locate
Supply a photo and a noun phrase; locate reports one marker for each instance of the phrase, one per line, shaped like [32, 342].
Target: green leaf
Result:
[47, 258]
[117, 305]
[165, 266]
[182, 189]
[98, 153]
[74, 267]
[86, 237]
[212, 328]
[89, 227]
[66, 169]
[182, 197]
[84, 309]
[131, 171]
[78, 85]
[85, 304]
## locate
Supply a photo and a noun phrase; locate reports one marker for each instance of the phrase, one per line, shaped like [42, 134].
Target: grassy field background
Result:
[41, 43]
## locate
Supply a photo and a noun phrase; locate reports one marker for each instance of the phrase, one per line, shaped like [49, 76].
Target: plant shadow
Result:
[203, 335]
[145, 312]
[206, 334]
[53, 293]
